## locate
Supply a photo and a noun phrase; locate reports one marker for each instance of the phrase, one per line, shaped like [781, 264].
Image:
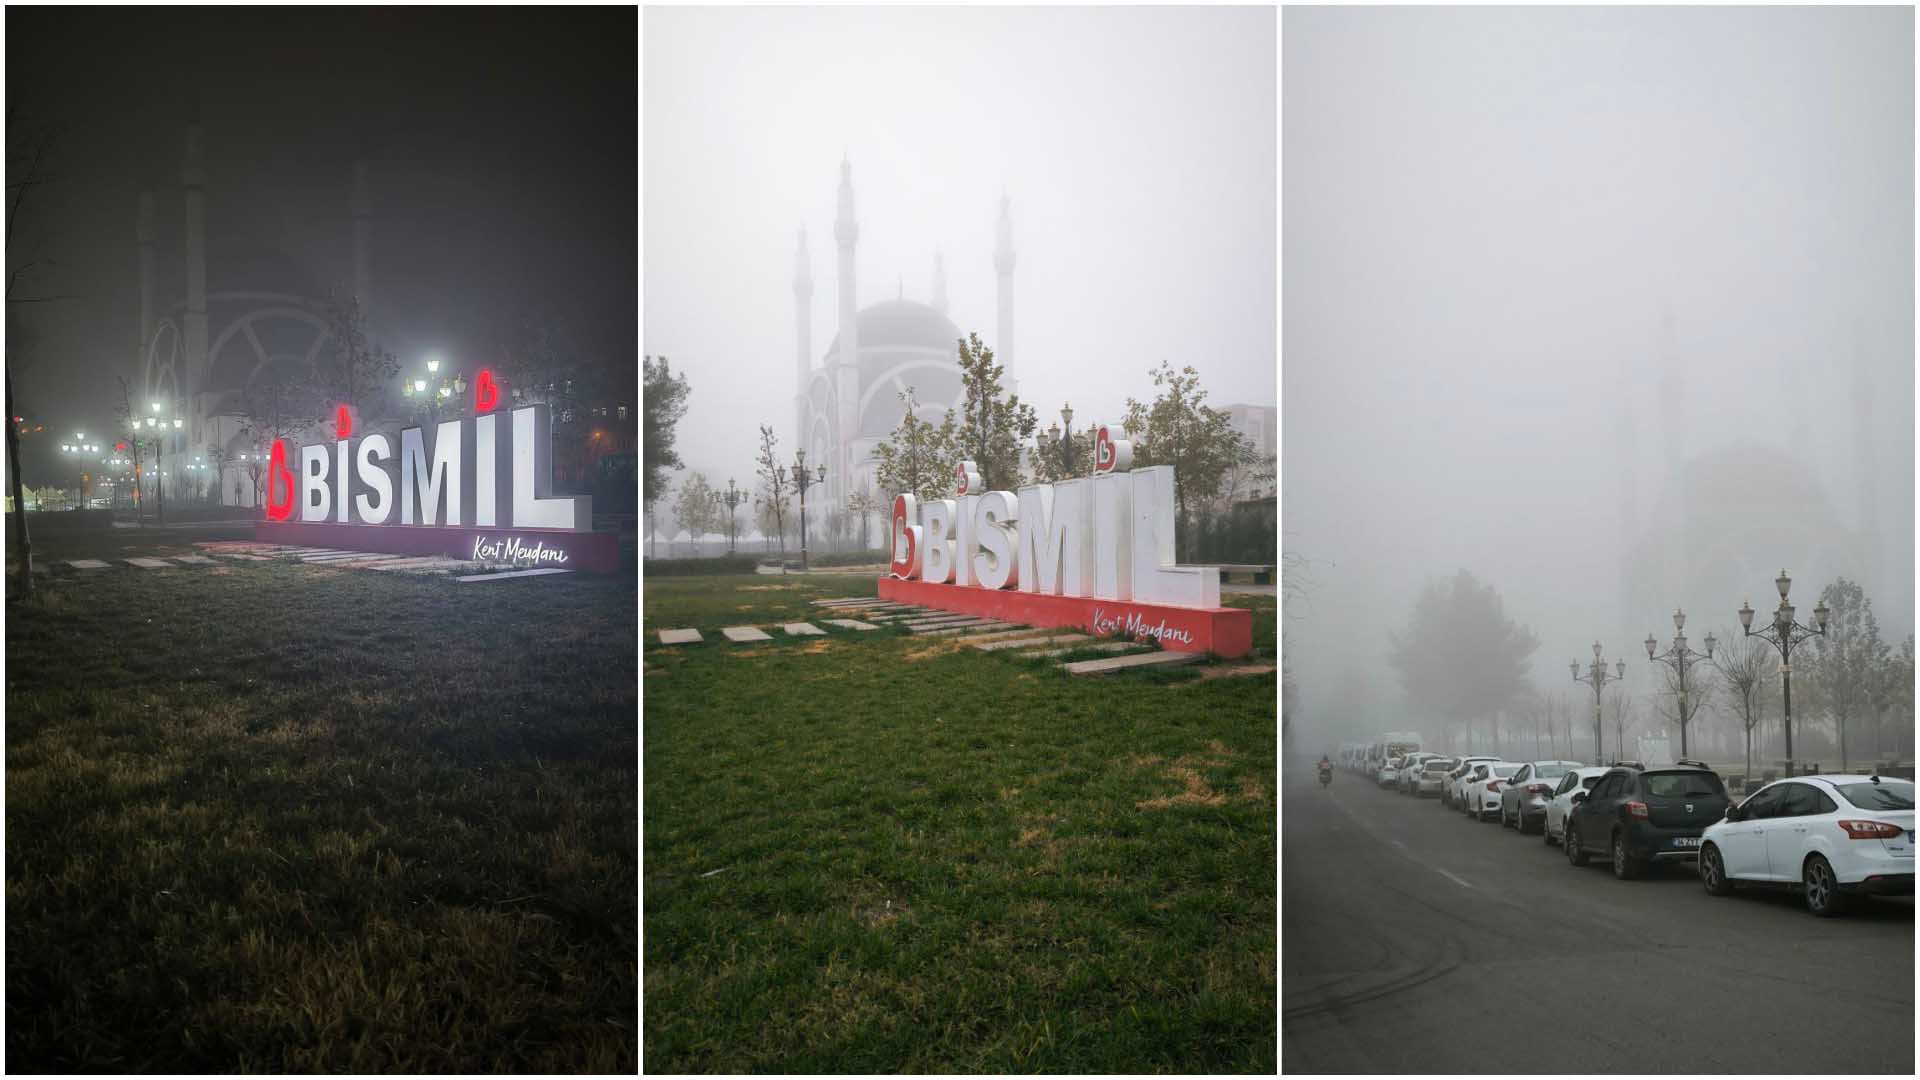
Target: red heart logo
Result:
[342, 422]
[1102, 450]
[906, 553]
[279, 477]
[486, 395]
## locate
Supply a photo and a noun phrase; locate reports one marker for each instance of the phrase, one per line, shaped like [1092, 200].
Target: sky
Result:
[1137, 147]
[502, 171]
[1531, 257]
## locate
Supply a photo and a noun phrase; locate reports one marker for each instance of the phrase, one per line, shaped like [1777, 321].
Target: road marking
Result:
[1457, 881]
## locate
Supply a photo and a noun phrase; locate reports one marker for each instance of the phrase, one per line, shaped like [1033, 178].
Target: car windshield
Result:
[1505, 770]
[1682, 785]
[1550, 772]
[1881, 796]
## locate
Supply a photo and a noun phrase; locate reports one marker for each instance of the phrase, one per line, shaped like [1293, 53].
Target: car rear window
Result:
[1550, 772]
[1881, 796]
[1441, 765]
[1588, 781]
[1505, 770]
[1682, 785]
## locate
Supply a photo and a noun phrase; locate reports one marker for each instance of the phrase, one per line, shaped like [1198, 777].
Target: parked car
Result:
[1523, 799]
[1640, 818]
[1409, 773]
[1834, 836]
[1482, 792]
[1450, 791]
[1433, 776]
[1581, 779]
[1385, 774]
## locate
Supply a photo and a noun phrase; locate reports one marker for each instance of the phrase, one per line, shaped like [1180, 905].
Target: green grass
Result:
[273, 817]
[875, 852]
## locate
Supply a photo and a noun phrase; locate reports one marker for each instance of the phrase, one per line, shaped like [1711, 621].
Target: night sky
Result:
[501, 146]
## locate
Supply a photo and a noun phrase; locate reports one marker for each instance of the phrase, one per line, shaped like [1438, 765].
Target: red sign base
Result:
[1224, 632]
[594, 552]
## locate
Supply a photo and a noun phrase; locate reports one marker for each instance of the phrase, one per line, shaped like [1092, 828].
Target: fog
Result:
[1611, 307]
[1136, 147]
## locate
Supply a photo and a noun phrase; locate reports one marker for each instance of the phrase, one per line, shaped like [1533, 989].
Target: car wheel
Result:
[1546, 834]
[1570, 840]
[1713, 872]
[1821, 888]
[1624, 867]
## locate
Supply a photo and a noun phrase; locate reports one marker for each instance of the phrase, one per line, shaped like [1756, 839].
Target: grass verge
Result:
[876, 852]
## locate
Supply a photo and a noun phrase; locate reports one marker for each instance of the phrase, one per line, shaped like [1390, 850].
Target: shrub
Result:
[722, 564]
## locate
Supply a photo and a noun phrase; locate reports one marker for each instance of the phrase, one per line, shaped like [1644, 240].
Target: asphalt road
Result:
[1415, 940]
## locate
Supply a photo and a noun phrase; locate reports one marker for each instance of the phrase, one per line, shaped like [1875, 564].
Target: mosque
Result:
[850, 403]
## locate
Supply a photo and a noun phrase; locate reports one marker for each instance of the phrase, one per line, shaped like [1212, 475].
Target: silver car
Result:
[1523, 799]
[1409, 773]
[1433, 776]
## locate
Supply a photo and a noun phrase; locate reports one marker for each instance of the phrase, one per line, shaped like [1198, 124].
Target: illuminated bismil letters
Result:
[490, 471]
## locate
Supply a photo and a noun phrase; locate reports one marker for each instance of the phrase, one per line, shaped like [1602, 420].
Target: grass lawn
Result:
[274, 817]
[875, 852]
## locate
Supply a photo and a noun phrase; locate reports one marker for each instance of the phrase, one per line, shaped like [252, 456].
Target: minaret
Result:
[143, 232]
[939, 284]
[846, 378]
[1003, 267]
[362, 237]
[194, 177]
[803, 318]
[1865, 477]
[1673, 463]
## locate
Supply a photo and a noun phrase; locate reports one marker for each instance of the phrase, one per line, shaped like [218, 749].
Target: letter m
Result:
[1056, 538]
[422, 484]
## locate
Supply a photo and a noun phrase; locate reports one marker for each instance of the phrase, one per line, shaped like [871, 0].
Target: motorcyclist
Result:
[1325, 769]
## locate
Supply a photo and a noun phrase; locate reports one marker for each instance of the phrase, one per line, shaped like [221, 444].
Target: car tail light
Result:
[1493, 785]
[1540, 789]
[1637, 809]
[1871, 830]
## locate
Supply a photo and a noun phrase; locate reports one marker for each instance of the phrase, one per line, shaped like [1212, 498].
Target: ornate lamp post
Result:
[1783, 635]
[434, 392]
[1597, 677]
[803, 480]
[734, 497]
[158, 427]
[1681, 659]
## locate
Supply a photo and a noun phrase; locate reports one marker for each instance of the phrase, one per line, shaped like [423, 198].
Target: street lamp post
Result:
[803, 480]
[1598, 678]
[1681, 659]
[433, 390]
[734, 497]
[1783, 635]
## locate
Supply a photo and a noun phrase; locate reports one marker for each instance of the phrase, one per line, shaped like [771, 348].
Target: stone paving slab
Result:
[1124, 663]
[537, 571]
[966, 624]
[941, 631]
[243, 555]
[680, 637]
[151, 564]
[200, 559]
[417, 565]
[1001, 635]
[935, 620]
[801, 628]
[746, 633]
[850, 624]
[1098, 646]
[1028, 642]
[87, 564]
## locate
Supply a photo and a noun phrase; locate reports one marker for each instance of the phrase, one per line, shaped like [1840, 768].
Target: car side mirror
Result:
[1578, 796]
[1733, 812]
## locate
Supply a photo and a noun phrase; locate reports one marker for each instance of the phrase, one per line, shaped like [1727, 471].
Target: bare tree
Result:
[1625, 716]
[1745, 665]
[1679, 709]
[774, 485]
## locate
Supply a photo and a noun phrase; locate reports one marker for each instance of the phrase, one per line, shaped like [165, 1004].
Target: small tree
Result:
[1681, 711]
[865, 502]
[775, 485]
[663, 400]
[918, 458]
[1848, 659]
[1625, 717]
[354, 372]
[1746, 668]
[991, 426]
[1180, 430]
[694, 507]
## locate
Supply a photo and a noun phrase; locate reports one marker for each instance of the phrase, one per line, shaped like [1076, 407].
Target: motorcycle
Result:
[1326, 775]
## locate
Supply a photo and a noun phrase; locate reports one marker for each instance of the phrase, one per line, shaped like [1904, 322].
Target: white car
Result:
[1409, 773]
[1834, 836]
[1481, 793]
[1384, 776]
[1455, 792]
[1580, 779]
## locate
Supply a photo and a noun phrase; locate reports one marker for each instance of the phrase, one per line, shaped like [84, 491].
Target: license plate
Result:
[1686, 841]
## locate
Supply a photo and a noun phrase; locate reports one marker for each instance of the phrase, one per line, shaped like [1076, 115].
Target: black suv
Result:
[1638, 817]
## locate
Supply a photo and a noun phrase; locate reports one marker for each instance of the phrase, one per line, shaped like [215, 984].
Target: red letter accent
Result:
[485, 394]
[277, 469]
[342, 423]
